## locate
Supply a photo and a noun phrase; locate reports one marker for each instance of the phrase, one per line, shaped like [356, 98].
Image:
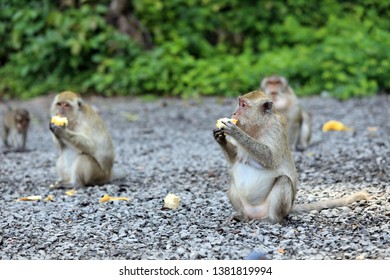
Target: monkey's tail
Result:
[331, 203]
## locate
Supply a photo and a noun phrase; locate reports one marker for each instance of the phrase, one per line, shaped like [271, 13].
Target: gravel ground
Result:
[170, 149]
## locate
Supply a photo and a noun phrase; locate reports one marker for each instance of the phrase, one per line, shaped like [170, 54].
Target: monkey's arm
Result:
[305, 130]
[5, 136]
[294, 118]
[77, 140]
[59, 142]
[228, 148]
[261, 152]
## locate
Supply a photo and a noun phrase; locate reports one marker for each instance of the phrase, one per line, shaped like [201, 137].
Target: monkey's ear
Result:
[268, 106]
[80, 104]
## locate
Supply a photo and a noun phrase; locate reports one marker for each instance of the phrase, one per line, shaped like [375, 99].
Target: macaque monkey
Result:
[85, 146]
[15, 127]
[263, 175]
[287, 103]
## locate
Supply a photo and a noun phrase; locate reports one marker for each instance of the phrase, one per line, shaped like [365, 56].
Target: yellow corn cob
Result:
[106, 198]
[59, 121]
[49, 198]
[71, 192]
[219, 123]
[335, 125]
[30, 198]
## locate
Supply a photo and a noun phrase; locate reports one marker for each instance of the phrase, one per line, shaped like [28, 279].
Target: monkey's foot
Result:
[300, 147]
[62, 185]
[21, 150]
[238, 218]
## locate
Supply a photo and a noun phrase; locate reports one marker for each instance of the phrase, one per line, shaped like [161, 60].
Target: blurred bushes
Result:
[201, 47]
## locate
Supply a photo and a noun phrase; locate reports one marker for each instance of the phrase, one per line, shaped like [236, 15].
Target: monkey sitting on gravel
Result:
[85, 145]
[263, 176]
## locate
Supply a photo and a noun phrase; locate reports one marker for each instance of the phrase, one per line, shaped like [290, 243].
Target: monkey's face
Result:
[241, 108]
[276, 88]
[66, 104]
[252, 108]
[22, 120]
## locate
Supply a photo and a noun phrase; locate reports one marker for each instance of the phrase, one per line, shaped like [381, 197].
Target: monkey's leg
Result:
[63, 169]
[86, 171]
[237, 204]
[280, 199]
[20, 143]
[305, 133]
[5, 136]
[293, 134]
[16, 140]
[23, 144]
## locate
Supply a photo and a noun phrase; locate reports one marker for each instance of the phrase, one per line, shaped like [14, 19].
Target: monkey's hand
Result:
[219, 136]
[230, 128]
[57, 129]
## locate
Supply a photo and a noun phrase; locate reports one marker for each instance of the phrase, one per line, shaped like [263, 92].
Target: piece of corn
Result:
[171, 201]
[71, 192]
[219, 123]
[30, 198]
[335, 125]
[281, 251]
[60, 121]
[106, 198]
[49, 198]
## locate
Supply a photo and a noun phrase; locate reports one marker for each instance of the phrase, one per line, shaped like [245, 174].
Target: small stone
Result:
[361, 257]
[289, 234]
[181, 250]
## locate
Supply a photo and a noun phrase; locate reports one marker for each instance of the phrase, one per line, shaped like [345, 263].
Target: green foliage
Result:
[55, 50]
[201, 47]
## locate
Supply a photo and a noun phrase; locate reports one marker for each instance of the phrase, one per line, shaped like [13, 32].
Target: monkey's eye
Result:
[67, 105]
[242, 104]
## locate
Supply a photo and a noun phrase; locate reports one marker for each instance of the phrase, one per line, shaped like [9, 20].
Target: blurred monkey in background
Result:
[287, 103]
[15, 127]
